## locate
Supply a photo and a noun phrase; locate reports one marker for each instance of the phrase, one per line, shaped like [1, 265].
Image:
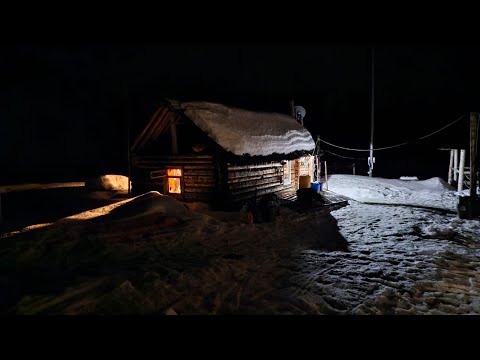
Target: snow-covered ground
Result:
[152, 255]
[433, 193]
[401, 259]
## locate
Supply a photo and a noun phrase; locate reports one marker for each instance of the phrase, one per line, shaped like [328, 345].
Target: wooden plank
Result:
[172, 162]
[253, 178]
[450, 168]
[147, 128]
[460, 170]
[255, 183]
[241, 174]
[151, 132]
[187, 168]
[199, 172]
[252, 189]
[198, 167]
[177, 157]
[249, 195]
[251, 167]
[201, 185]
[199, 179]
[199, 189]
[162, 125]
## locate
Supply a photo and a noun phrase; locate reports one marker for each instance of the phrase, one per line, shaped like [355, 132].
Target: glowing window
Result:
[174, 181]
[174, 172]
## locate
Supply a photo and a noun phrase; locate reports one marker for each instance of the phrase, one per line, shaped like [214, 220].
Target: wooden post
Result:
[326, 175]
[450, 168]
[473, 155]
[455, 165]
[353, 168]
[460, 170]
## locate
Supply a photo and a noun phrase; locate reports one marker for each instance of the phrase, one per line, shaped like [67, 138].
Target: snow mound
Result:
[151, 203]
[434, 192]
[107, 182]
[246, 132]
[408, 178]
[436, 183]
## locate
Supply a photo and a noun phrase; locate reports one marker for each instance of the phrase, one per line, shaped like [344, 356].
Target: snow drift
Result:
[434, 192]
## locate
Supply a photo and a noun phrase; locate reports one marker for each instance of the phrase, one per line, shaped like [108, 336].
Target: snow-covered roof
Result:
[244, 132]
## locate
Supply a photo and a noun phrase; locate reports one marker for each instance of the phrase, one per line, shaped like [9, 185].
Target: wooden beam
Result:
[147, 128]
[460, 170]
[473, 155]
[450, 168]
[455, 164]
[251, 167]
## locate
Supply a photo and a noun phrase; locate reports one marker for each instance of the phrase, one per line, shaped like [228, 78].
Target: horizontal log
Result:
[199, 167]
[200, 185]
[189, 172]
[199, 179]
[173, 161]
[175, 157]
[255, 183]
[199, 189]
[262, 192]
[236, 174]
[250, 189]
[257, 166]
[252, 178]
[185, 167]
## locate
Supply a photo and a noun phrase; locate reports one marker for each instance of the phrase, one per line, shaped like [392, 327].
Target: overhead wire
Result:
[397, 145]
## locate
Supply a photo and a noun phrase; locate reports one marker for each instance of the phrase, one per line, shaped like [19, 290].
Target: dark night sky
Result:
[63, 109]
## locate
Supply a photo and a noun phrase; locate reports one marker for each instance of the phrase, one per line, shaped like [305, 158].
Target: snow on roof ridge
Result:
[245, 132]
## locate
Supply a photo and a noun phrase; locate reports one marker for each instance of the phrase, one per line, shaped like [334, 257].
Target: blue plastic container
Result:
[317, 186]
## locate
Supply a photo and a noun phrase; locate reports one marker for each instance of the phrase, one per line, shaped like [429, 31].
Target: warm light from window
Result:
[174, 172]
[174, 186]
[174, 183]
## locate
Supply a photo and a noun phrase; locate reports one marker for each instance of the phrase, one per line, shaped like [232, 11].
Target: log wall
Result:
[248, 181]
[199, 176]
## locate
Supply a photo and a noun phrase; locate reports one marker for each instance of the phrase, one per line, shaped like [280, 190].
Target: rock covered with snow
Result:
[107, 182]
[245, 132]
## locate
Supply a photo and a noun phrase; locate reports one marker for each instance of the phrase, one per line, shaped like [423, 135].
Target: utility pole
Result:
[370, 163]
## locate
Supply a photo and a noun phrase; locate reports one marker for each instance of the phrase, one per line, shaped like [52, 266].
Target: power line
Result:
[346, 148]
[344, 157]
[397, 145]
[433, 133]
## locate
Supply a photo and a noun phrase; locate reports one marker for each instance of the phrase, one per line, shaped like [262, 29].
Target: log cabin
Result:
[208, 152]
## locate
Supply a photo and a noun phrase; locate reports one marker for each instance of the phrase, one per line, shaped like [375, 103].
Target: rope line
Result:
[397, 145]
